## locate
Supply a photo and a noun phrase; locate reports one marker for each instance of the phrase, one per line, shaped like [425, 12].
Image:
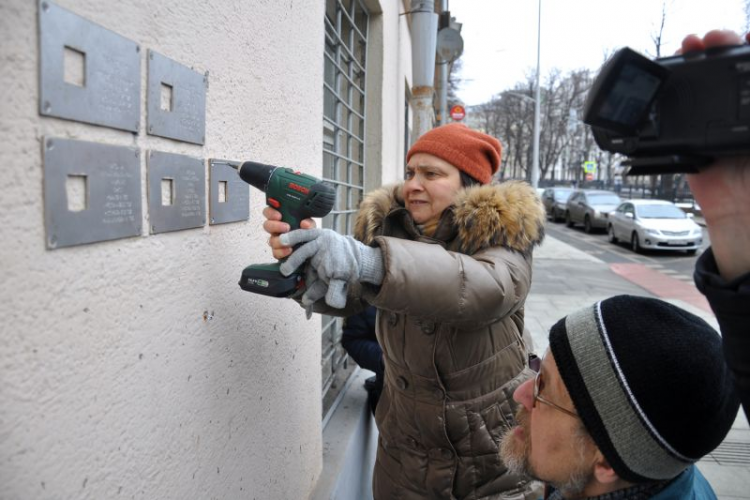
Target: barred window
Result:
[346, 25]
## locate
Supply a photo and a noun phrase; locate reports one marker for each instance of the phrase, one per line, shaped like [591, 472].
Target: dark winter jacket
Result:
[730, 302]
[450, 322]
[360, 342]
[690, 485]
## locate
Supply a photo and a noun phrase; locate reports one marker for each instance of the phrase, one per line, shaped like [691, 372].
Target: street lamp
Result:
[537, 111]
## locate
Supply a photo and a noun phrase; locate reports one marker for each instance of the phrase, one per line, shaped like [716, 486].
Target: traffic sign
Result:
[589, 167]
[450, 45]
[458, 112]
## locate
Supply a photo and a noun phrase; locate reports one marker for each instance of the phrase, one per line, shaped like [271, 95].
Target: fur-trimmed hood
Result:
[509, 214]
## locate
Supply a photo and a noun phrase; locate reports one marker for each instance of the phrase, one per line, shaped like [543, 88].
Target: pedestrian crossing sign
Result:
[589, 167]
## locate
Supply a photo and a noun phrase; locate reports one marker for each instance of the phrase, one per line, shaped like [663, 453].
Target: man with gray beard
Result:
[631, 393]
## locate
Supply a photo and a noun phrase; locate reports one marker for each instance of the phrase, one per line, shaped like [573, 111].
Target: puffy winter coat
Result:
[450, 322]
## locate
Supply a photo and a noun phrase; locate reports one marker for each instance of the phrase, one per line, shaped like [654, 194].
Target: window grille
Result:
[346, 23]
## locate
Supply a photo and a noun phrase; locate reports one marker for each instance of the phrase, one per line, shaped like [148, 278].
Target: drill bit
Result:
[234, 164]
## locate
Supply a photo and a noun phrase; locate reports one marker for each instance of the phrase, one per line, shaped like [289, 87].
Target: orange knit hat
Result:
[475, 153]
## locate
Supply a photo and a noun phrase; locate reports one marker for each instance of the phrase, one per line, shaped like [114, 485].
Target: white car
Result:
[654, 225]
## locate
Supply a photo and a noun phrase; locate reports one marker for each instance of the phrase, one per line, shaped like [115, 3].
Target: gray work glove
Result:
[313, 290]
[338, 261]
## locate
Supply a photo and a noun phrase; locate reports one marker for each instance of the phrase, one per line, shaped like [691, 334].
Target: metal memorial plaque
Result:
[176, 192]
[229, 196]
[176, 100]
[107, 91]
[110, 193]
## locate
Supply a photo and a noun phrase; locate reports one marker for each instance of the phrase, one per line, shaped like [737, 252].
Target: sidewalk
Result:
[566, 279]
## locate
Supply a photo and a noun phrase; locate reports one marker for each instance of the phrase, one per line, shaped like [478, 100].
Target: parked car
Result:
[654, 224]
[554, 200]
[590, 208]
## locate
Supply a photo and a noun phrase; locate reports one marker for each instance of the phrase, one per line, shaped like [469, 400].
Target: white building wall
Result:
[137, 368]
[389, 70]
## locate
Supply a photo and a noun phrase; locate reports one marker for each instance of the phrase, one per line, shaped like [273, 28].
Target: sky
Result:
[500, 36]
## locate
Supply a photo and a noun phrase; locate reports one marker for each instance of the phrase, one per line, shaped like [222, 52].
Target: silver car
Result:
[654, 224]
[590, 208]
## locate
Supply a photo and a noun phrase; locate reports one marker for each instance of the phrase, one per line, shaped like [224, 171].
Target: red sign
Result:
[458, 112]
[589, 177]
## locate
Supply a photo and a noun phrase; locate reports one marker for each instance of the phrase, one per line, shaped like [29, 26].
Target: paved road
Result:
[676, 264]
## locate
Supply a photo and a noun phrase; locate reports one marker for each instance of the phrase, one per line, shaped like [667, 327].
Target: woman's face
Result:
[431, 186]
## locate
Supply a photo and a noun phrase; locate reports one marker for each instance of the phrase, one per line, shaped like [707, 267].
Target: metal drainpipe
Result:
[443, 75]
[423, 48]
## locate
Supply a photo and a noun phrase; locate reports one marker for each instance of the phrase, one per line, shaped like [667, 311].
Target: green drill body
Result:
[296, 196]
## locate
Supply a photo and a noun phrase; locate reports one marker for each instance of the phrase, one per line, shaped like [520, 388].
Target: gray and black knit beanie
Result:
[649, 382]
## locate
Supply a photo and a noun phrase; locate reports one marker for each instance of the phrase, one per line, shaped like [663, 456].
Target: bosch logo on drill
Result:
[299, 188]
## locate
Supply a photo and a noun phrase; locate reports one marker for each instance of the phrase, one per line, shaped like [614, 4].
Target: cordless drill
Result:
[297, 196]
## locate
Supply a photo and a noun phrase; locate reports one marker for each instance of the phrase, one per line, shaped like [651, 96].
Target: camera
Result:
[673, 114]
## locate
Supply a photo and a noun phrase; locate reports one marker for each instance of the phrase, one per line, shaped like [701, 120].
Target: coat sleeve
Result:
[425, 280]
[730, 302]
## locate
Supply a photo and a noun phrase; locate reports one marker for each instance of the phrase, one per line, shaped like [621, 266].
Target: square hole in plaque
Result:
[222, 191]
[167, 192]
[74, 67]
[76, 191]
[166, 97]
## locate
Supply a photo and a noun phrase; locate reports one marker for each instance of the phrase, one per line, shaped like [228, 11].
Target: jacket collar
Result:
[641, 491]
[508, 214]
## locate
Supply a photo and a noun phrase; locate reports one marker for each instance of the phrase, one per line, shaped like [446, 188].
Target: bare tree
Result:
[511, 119]
[665, 181]
[657, 36]
[565, 98]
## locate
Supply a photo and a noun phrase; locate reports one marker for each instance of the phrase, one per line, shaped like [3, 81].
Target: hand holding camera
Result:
[723, 189]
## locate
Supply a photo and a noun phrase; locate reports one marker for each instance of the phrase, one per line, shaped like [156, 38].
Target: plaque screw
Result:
[137, 153]
[47, 107]
[153, 229]
[150, 128]
[45, 6]
[213, 221]
[151, 55]
[53, 242]
[50, 144]
[137, 48]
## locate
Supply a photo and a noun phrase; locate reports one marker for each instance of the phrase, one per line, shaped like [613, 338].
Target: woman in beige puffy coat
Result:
[446, 259]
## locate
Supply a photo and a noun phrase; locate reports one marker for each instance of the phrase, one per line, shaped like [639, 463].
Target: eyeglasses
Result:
[538, 386]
